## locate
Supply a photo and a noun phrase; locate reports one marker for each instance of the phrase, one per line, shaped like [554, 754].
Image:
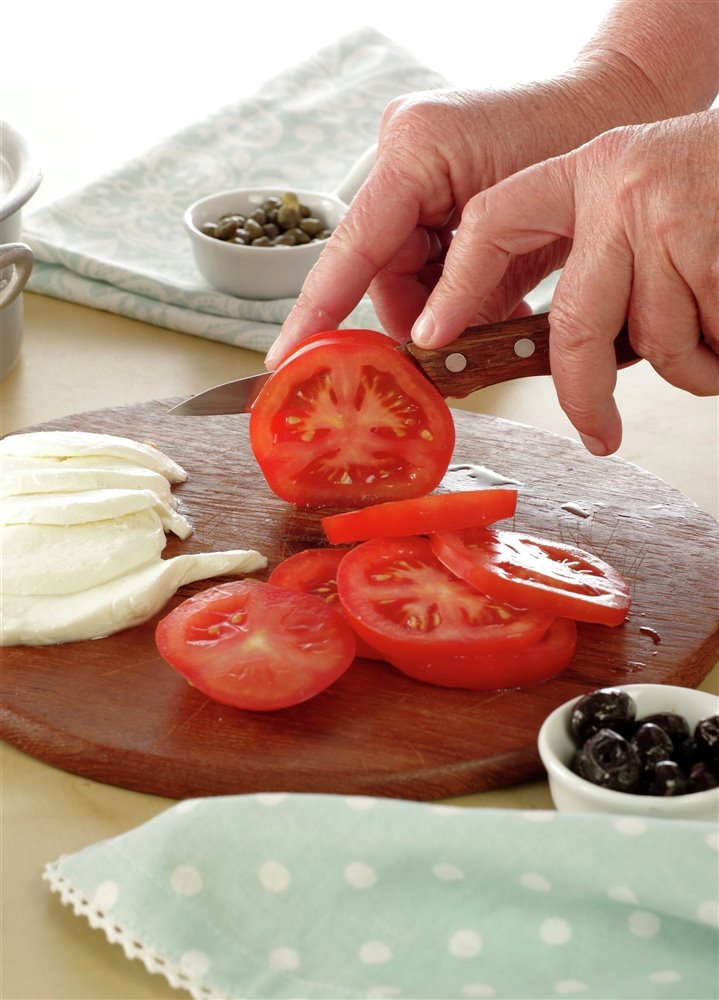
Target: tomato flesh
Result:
[348, 421]
[256, 646]
[402, 601]
[421, 515]
[314, 571]
[532, 572]
[498, 671]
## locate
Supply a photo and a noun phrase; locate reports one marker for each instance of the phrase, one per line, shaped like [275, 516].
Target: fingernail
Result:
[272, 356]
[423, 330]
[594, 445]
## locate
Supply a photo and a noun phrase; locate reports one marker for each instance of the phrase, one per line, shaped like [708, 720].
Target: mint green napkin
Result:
[294, 895]
[119, 244]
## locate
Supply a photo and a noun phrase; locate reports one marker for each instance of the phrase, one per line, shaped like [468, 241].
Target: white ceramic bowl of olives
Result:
[261, 243]
[635, 749]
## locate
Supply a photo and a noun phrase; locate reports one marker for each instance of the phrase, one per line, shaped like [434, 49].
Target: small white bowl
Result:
[570, 793]
[265, 272]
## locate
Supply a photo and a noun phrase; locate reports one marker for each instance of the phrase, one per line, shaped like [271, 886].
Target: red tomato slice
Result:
[405, 603]
[531, 572]
[347, 422]
[421, 515]
[256, 646]
[498, 671]
[314, 571]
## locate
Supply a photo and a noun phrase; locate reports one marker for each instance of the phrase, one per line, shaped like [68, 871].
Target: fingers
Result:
[527, 212]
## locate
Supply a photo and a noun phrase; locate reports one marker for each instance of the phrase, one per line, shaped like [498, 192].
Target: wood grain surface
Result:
[112, 710]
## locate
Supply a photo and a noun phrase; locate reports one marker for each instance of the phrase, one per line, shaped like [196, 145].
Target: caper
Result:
[305, 212]
[271, 203]
[262, 241]
[300, 236]
[288, 216]
[285, 239]
[241, 236]
[225, 228]
[259, 215]
[324, 235]
[254, 228]
[272, 215]
[271, 229]
[209, 228]
[311, 225]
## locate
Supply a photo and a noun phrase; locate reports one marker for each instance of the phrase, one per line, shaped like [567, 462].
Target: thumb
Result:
[523, 213]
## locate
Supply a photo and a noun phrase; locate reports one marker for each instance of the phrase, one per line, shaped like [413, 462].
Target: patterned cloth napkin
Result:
[119, 244]
[324, 896]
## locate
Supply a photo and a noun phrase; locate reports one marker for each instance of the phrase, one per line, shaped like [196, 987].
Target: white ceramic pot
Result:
[19, 179]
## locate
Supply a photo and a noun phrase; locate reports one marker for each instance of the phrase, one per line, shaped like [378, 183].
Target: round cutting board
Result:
[112, 710]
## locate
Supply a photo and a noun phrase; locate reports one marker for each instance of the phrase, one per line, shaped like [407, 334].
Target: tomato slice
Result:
[256, 646]
[498, 671]
[349, 421]
[421, 515]
[402, 601]
[531, 572]
[314, 571]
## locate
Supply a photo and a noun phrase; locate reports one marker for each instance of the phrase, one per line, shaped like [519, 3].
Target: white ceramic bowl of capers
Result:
[261, 243]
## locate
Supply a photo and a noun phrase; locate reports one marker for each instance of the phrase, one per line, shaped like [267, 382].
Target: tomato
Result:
[421, 515]
[256, 646]
[348, 421]
[315, 571]
[531, 572]
[406, 604]
[497, 671]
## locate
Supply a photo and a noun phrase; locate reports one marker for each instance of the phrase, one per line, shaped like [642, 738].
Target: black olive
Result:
[667, 778]
[608, 760]
[702, 777]
[706, 733]
[601, 710]
[652, 744]
[673, 724]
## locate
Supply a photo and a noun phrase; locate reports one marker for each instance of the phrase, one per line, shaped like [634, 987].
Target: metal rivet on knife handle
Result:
[455, 362]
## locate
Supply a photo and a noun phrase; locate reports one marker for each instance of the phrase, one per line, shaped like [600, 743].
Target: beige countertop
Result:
[75, 359]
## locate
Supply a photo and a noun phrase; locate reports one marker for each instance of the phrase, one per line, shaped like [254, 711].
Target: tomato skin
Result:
[532, 572]
[421, 515]
[256, 646]
[498, 671]
[314, 571]
[403, 602]
[347, 421]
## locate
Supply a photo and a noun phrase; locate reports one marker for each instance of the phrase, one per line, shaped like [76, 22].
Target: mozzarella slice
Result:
[20, 476]
[52, 559]
[89, 505]
[68, 444]
[118, 604]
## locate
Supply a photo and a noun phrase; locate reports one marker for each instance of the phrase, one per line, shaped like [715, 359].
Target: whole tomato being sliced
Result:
[402, 601]
[256, 646]
[498, 671]
[347, 421]
[314, 571]
[420, 515]
[531, 572]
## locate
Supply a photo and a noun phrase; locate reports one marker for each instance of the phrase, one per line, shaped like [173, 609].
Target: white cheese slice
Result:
[68, 444]
[67, 558]
[89, 505]
[20, 476]
[121, 603]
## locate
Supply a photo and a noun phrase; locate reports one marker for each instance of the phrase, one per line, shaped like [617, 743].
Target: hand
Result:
[639, 205]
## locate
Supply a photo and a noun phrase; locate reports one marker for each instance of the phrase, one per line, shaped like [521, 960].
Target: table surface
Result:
[76, 359]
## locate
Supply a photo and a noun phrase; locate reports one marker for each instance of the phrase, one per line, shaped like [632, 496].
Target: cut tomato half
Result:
[530, 572]
[402, 601]
[348, 421]
[498, 671]
[256, 646]
[314, 571]
[421, 515]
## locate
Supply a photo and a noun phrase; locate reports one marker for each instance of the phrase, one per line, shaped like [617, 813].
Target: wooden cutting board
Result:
[112, 710]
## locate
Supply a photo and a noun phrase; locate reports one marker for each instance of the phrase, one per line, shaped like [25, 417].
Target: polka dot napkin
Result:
[291, 896]
[119, 245]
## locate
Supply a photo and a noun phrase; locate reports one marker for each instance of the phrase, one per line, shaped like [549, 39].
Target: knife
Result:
[481, 356]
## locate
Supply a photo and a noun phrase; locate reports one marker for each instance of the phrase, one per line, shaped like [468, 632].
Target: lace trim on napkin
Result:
[115, 933]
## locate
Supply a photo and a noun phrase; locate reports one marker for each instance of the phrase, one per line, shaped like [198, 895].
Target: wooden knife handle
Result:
[498, 352]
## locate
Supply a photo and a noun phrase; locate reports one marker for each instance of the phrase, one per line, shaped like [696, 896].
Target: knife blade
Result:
[481, 356]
